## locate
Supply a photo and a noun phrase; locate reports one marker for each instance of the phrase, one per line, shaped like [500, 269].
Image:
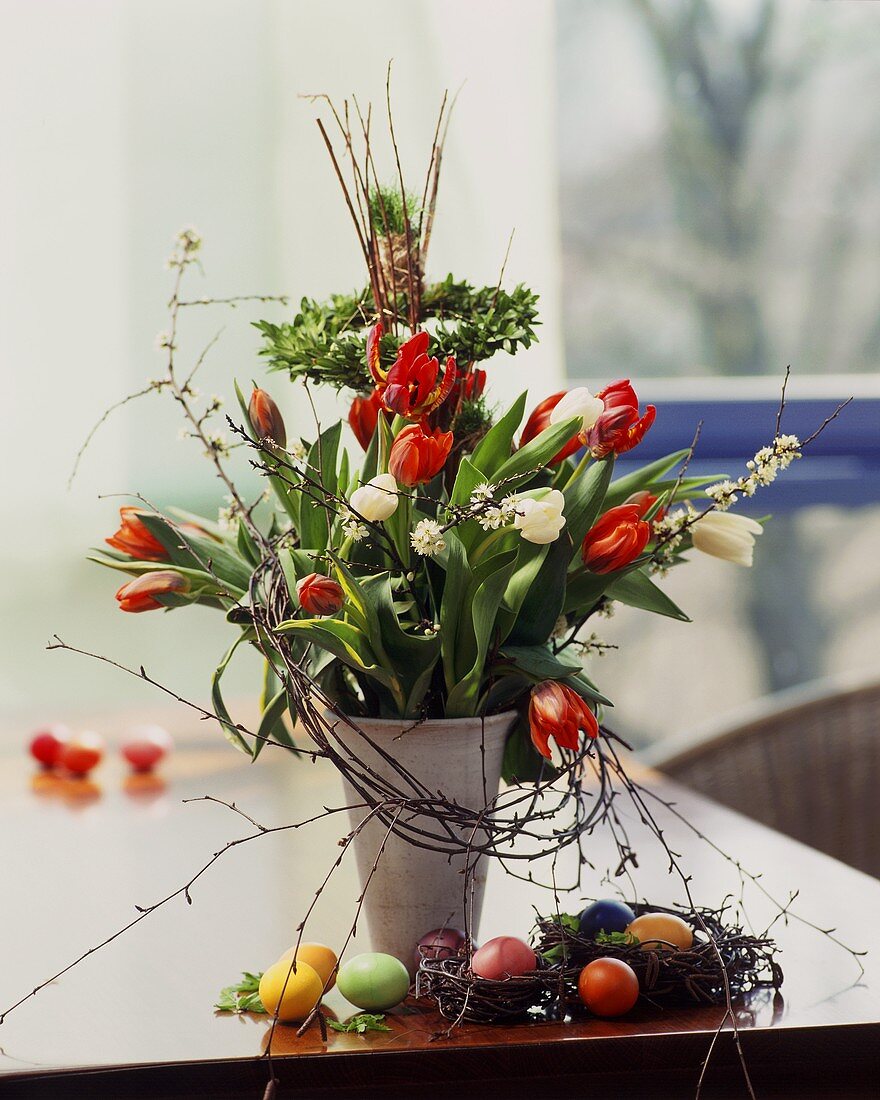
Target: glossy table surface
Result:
[137, 1019]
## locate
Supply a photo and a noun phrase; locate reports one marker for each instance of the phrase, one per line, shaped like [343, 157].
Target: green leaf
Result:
[321, 466]
[188, 550]
[544, 600]
[537, 662]
[494, 448]
[584, 498]
[365, 1021]
[458, 578]
[538, 451]
[636, 589]
[230, 731]
[522, 763]
[244, 996]
[643, 478]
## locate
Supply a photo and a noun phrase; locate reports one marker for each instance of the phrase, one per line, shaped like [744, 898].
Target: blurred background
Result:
[693, 186]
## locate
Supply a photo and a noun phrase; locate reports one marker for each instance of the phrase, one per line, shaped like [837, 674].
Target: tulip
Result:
[319, 595]
[540, 419]
[725, 535]
[377, 500]
[135, 539]
[645, 501]
[540, 519]
[616, 539]
[470, 386]
[418, 455]
[363, 416]
[266, 419]
[413, 387]
[557, 711]
[578, 402]
[142, 593]
[619, 427]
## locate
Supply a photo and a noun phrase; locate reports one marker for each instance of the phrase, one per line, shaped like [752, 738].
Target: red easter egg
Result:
[504, 957]
[146, 746]
[608, 987]
[82, 753]
[439, 944]
[46, 745]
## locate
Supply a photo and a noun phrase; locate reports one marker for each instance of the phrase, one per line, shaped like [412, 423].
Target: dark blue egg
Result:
[607, 915]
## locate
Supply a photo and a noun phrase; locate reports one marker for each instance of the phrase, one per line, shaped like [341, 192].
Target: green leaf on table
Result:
[364, 1021]
[244, 996]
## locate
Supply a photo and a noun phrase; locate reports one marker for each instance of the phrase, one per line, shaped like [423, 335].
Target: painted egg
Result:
[661, 932]
[504, 957]
[373, 981]
[297, 991]
[608, 987]
[608, 915]
[319, 957]
[46, 745]
[81, 753]
[439, 944]
[146, 746]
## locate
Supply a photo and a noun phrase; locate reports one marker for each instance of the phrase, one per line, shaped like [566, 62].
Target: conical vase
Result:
[410, 889]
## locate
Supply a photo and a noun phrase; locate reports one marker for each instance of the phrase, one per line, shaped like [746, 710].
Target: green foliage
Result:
[386, 210]
[364, 1021]
[244, 996]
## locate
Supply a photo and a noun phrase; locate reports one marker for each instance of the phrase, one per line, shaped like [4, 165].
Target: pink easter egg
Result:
[504, 957]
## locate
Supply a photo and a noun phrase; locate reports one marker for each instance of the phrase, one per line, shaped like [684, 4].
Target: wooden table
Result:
[136, 1019]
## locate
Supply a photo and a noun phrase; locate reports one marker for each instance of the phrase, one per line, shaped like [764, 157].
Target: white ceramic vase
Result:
[413, 890]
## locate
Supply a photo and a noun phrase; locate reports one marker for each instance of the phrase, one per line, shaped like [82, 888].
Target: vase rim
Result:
[506, 716]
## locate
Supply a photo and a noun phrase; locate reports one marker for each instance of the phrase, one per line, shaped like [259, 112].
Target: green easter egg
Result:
[373, 981]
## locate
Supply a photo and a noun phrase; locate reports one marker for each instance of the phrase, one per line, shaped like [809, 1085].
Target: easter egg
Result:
[46, 746]
[608, 987]
[81, 753]
[661, 932]
[373, 981]
[439, 944]
[319, 957]
[146, 746]
[608, 915]
[504, 957]
[297, 991]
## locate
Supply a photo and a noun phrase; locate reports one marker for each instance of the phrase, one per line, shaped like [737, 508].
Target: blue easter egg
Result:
[607, 915]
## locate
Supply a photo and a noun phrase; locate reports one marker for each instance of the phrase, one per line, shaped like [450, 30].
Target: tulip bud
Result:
[616, 539]
[725, 535]
[417, 456]
[578, 402]
[377, 500]
[557, 711]
[319, 595]
[540, 519]
[141, 593]
[266, 419]
[135, 539]
[363, 416]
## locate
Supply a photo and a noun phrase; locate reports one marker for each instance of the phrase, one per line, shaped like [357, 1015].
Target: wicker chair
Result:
[805, 762]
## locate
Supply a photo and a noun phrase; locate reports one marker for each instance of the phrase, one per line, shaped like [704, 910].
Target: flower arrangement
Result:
[450, 562]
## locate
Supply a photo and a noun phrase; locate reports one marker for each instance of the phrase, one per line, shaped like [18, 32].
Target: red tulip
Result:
[470, 386]
[413, 387]
[645, 501]
[266, 419]
[616, 539]
[540, 419]
[557, 711]
[363, 416]
[417, 456]
[134, 538]
[141, 593]
[319, 595]
[619, 428]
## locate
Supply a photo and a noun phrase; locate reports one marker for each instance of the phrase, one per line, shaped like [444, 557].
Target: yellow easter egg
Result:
[301, 991]
[661, 932]
[320, 957]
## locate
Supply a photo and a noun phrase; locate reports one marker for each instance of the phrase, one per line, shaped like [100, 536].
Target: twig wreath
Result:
[451, 575]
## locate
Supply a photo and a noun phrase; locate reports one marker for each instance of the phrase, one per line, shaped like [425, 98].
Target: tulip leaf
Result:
[538, 451]
[198, 552]
[230, 730]
[585, 497]
[315, 518]
[544, 601]
[636, 589]
[494, 448]
[536, 662]
[458, 576]
[643, 478]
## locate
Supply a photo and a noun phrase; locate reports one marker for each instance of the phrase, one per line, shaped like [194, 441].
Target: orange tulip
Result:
[557, 711]
[413, 387]
[319, 595]
[363, 416]
[645, 501]
[134, 537]
[619, 428]
[540, 419]
[141, 593]
[417, 455]
[616, 539]
[266, 419]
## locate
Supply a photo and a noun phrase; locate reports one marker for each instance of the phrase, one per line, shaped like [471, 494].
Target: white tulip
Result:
[578, 402]
[540, 519]
[728, 536]
[376, 500]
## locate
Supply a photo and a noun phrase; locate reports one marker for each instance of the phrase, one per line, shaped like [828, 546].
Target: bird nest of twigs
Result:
[724, 960]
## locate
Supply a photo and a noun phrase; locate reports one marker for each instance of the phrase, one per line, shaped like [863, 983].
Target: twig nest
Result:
[661, 932]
